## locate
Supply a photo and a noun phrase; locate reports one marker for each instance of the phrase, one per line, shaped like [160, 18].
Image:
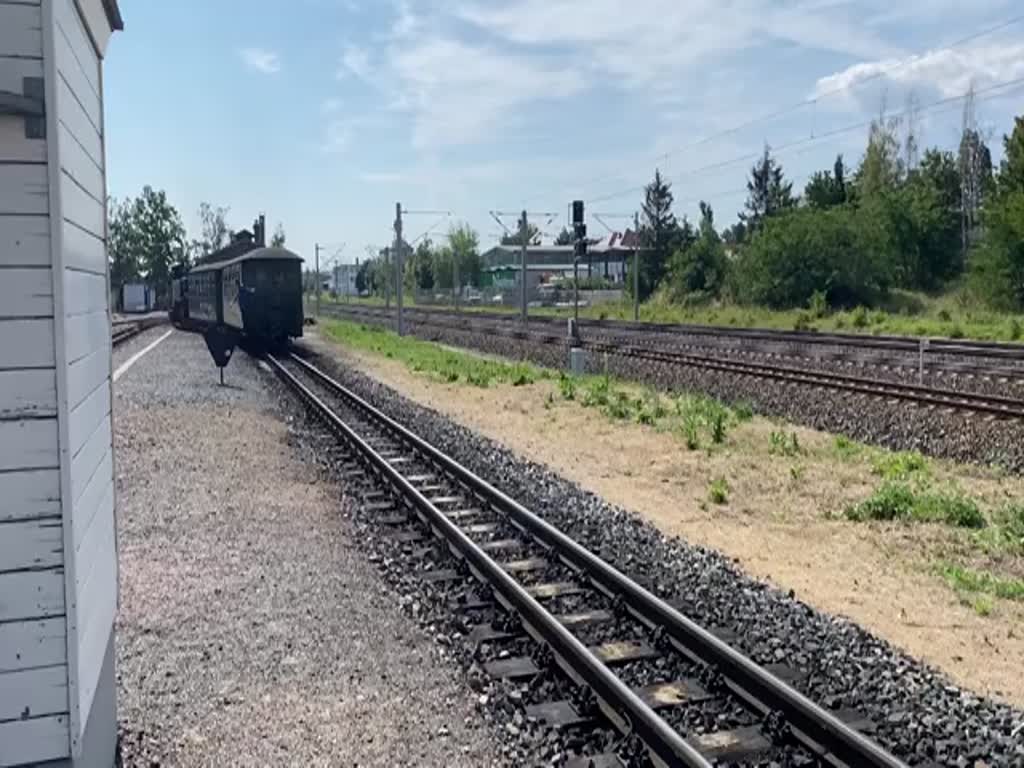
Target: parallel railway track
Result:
[576, 606]
[123, 330]
[632, 347]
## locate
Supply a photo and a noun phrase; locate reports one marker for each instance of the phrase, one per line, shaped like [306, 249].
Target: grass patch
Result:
[718, 491]
[899, 465]
[969, 580]
[896, 500]
[431, 359]
[783, 444]
[846, 448]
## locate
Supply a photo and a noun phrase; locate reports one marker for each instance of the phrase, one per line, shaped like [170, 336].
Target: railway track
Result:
[634, 661]
[121, 332]
[986, 360]
[932, 397]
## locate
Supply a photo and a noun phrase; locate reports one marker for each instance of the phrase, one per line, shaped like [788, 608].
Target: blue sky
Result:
[324, 113]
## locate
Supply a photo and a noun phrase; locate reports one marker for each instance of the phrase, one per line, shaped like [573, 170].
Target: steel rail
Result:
[993, 405]
[907, 344]
[760, 689]
[623, 706]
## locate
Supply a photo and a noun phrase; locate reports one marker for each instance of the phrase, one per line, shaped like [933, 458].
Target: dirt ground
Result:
[779, 523]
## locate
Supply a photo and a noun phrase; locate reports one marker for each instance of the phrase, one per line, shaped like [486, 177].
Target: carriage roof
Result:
[257, 254]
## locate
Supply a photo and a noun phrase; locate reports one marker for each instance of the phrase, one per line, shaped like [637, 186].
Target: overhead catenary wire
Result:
[775, 114]
[980, 95]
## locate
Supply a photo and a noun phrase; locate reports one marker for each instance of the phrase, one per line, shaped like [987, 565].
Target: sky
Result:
[323, 114]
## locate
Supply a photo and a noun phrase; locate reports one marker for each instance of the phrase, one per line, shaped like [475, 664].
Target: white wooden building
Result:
[58, 546]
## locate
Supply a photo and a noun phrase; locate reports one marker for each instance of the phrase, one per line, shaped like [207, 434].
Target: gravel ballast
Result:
[919, 714]
[253, 630]
[895, 424]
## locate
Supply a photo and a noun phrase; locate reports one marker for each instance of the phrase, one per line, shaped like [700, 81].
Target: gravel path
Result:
[252, 628]
[920, 715]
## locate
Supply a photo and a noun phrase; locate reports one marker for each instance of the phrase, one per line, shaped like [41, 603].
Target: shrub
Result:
[956, 332]
[893, 501]
[953, 509]
[718, 491]
[860, 317]
[818, 305]
[690, 433]
[944, 316]
[845, 447]
[567, 387]
[1015, 329]
[718, 426]
[899, 465]
[784, 445]
[803, 322]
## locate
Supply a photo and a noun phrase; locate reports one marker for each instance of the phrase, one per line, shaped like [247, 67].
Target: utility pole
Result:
[524, 234]
[456, 285]
[398, 267]
[636, 267]
[317, 261]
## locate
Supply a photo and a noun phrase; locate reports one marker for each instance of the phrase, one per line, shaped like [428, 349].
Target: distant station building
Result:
[58, 542]
[343, 279]
[608, 258]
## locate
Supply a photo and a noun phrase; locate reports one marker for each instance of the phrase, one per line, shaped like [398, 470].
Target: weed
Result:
[796, 473]
[743, 411]
[784, 444]
[567, 387]
[893, 501]
[899, 465]
[718, 491]
[803, 322]
[1015, 329]
[818, 304]
[690, 433]
[944, 315]
[956, 332]
[549, 401]
[597, 393]
[896, 500]
[983, 606]
[970, 580]
[860, 317]
[845, 447]
[718, 426]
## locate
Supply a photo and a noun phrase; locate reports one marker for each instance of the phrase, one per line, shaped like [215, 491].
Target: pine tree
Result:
[565, 237]
[658, 234]
[827, 189]
[769, 194]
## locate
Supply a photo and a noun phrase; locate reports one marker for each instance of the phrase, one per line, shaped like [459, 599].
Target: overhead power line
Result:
[988, 93]
[819, 97]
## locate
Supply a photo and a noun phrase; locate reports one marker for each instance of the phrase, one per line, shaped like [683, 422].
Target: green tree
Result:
[516, 238]
[278, 238]
[213, 228]
[843, 251]
[149, 228]
[464, 245]
[565, 237]
[419, 270]
[998, 265]
[768, 192]
[122, 245]
[699, 265]
[659, 235]
[882, 169]
[827, 189]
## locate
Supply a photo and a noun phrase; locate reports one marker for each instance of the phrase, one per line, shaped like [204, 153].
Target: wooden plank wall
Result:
[34, 703]
[89, 504]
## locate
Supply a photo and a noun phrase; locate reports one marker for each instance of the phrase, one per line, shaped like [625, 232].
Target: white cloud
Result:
[458, 92]
[947, 72]
[261, 60]
[355, 61]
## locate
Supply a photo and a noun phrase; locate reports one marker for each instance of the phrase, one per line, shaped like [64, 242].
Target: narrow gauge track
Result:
[988, 405]
[1003, 361]
[529, 566]
[123, 331]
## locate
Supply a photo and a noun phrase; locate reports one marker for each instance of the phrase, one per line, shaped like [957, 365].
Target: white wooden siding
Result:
[29, 741]
[85, 462]
[96, 593]
[32, 644]
[31, 544]
[83, 312]
[28, 444]
[27, 393]
[26, 292]
[21, 30]
[14, 147]
[28, 494]
[24, 189]
[84, 293]
[26, 595]
[83, 250]
[26, 344]
[24, 240]
[34, 692]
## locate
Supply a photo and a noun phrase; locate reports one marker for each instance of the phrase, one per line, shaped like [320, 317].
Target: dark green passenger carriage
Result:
[258, 293]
